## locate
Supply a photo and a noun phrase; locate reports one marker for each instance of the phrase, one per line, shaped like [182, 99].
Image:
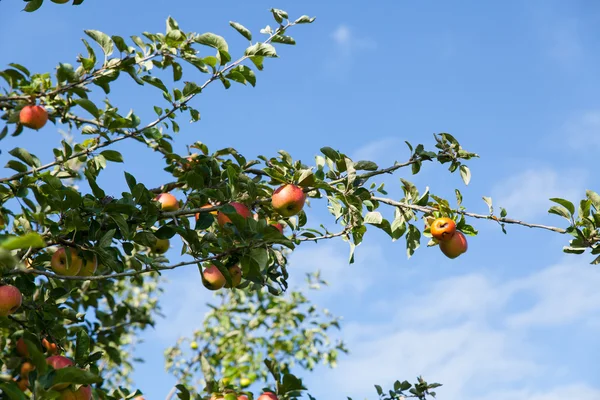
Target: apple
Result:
[83, 393]
[241, 209]
[454, 246]
[212, 278]
[51, 348]
[194, 345]
[89, 267]
[58, 362]
[161, 246]
[26, 368]
[236, 276]
[268, 396]
[277, 225]
[288, 200]
[22, 384]
[242, 397]
[443, 229]
[61, 264]
[34, 117]
[22, 348]
[60, 1]
[245, 382]
[167, 201]
[214, 212]
[10, 300]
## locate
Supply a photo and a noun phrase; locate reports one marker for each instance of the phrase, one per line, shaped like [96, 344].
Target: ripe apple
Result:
[34, 117]
[288, 200]
[241, 209]
[236, 276]
[83, 393]
[22, 348]
[268, 396]
[58, 362]
[10, 300]
[26, 368]
[167, 201]
[277, 225]
[161, 246]
[22, 384]
[443, 228]
[455, 246]
[212, 278]
[214, 212]
[51, 348]
[242, 397]
[89, 267]
[61, 264]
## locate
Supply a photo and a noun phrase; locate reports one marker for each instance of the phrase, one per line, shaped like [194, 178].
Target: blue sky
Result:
[514, 81]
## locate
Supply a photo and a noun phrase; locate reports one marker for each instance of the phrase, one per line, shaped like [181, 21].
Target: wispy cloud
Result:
[582, 131]
[466, 332]
[527, 194]
[347, 45]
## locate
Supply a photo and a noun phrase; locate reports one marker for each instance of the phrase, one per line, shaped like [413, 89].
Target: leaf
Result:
[103, 40]
[89, 106]
[283, 39]
[365, 166]
[245, 32]
[488, 201]
[330, 153]
[154, 81]
[261, 50]
[373, 217]
[261, 256]
[31, 239]
[560, 211]
[33, 5]
[305, 19]
[413, 240]
[191, 88]
[379, 390]
[112, 155]
[25, 156]
[565, 203]
[82, 348]
[465, 174]
[73, 375]
[217, 42]
[10, 389]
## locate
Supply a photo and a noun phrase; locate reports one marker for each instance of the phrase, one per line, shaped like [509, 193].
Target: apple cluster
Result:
[452, 242]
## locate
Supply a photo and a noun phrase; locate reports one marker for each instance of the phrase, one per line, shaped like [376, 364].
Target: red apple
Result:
[288, 200]
[455, 246]
[214, 212]
[83, 393]
[443, 229]
[58, 362]
[10, 300]
[236, 276]
[268, 396]
[241, 209]
[168, 202]
[22, 348]
[89, 267]
[61, 264]
[212, 278]
[34, 117]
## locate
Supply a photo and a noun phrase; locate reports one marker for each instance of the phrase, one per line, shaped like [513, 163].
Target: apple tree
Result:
[81, 271]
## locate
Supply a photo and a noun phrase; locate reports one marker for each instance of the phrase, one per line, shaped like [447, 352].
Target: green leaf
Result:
[112, 155]
[261, 256]
[373, 217]
[305, 19]
[261, 50]
[560, 211]
[565, 203]
[413, 240]
[31, 239]
[16, 165]
[25, 156]
[82, 348]
[365, 166]
[10, 389]
[379, 390]
[245, 32]
[73, 375]
[191, 88]
[102, 39]
[488, 201]
[89, 106]
[330, 153]
[217, 42]
[465, 174]
[279, 15]
[154, 81]
[33, 5]
[283, 39]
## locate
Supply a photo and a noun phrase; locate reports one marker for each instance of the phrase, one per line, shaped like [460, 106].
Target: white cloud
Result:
[527, 194]
[466, 333]
[346, 47]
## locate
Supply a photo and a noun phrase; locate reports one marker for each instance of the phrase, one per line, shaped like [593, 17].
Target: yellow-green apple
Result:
[89, 267]
[268, 396]
[167, 201]
[22, 348]
[58, 362]
[288, 200]
[10, 300]
[442, 229]
[51, 348]
[245, 382]
[455, 246]
[83, 393]
[212, 278]
[66, 261]
[214, 212]
[34, 117]
[236, 276]
[241, 209]
[161, 246]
